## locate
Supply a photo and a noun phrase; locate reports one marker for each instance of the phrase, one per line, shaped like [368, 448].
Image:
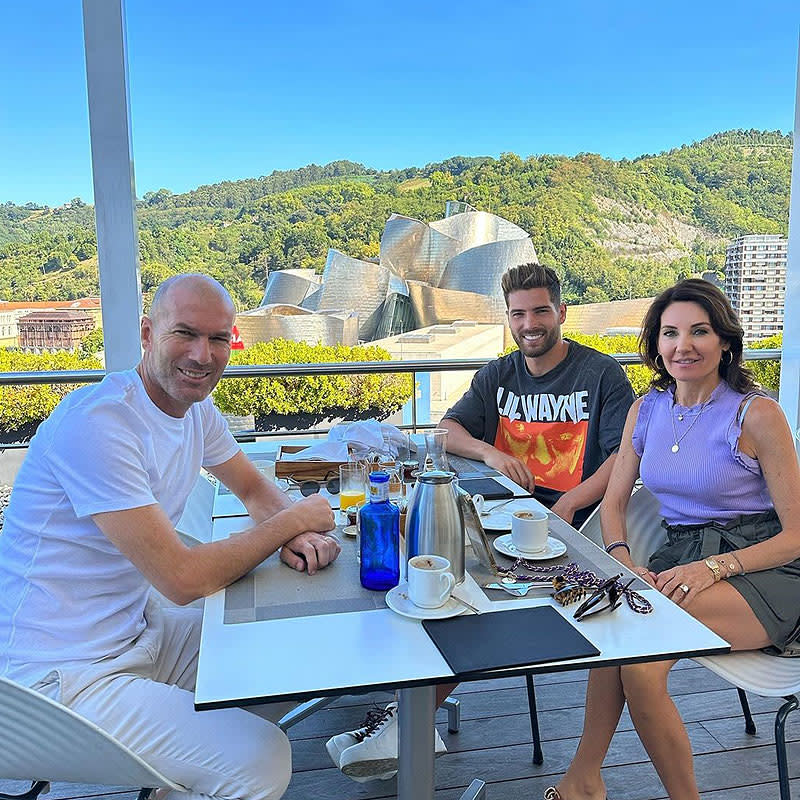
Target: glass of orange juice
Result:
[352, 484]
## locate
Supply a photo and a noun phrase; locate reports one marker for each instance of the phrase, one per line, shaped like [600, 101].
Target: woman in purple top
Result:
[720, 458]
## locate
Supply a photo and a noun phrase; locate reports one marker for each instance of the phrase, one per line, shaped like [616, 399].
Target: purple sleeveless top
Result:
[708, 479]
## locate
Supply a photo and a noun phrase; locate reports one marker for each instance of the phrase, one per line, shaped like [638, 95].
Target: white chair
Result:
[768, 676]
[43, 741]
[749, 671]
[196, 524]
[643, 521]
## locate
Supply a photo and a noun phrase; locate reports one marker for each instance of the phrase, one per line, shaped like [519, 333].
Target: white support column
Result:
[112, 173]
[790, 357]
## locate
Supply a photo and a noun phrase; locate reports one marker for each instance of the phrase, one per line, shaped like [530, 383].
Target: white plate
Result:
[554, 549]
[497, 521]
[397, 599]
[349, 530]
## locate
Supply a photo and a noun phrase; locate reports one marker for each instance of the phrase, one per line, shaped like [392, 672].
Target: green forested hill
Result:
[613, 229]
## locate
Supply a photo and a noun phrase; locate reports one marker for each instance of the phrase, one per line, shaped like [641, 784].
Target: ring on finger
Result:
[684, 588]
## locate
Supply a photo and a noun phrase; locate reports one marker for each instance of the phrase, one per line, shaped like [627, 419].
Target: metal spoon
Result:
[465, 603]
[499, 505]
[519, 589]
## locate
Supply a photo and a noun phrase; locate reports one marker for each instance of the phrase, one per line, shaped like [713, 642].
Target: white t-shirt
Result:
[67, 594]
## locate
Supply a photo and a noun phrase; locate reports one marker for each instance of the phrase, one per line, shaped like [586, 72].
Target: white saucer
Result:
[554, 549]
[397, 599]
[349, 530]
[496, 521]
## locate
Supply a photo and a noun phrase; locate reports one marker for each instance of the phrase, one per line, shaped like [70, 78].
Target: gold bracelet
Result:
[728, 566]
[738, 561]
[714, 566]
[732, 565]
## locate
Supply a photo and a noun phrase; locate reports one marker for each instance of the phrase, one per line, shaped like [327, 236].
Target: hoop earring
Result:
[655, 360]
[730, 358]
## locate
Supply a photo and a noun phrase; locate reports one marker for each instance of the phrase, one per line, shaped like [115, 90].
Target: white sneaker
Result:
[374, 753]
[336, 745]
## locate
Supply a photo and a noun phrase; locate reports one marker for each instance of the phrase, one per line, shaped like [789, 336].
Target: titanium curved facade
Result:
[415, 251]
[297, 324]
[481, 269]
[428, 273]
[291, 286]
[433, 305]
[473, 228]
[352, 284]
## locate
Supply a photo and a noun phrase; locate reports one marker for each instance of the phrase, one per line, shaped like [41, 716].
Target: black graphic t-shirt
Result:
[563, 425]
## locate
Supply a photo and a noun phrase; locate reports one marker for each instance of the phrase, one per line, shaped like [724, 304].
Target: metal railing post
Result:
[414, 399]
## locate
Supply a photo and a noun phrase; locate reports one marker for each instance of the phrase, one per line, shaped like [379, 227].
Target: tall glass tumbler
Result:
[436, 449]
[352, 484]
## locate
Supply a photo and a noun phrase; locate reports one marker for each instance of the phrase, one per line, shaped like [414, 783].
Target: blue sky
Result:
[234, 90]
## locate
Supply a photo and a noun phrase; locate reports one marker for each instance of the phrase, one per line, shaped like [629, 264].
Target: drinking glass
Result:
[395, 470]
[404, 451]
[436, 449]
[352, 484]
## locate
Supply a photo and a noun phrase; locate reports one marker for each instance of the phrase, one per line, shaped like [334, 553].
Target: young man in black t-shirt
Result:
[549, 415]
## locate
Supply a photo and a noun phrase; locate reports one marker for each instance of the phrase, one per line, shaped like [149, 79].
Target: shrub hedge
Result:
[24, 407]
[317, 395]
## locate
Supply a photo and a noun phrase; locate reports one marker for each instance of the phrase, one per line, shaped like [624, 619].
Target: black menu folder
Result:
[480, 642]
[488, 487]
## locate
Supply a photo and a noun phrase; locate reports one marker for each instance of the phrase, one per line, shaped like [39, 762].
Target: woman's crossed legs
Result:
[654, 715]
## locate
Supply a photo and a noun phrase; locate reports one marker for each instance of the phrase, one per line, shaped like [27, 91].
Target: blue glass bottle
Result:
[380, 536]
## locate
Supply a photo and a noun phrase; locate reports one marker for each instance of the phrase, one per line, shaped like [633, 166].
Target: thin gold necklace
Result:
[678, 439]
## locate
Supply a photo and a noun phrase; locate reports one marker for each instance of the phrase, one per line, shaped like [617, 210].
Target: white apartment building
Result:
[755, 282]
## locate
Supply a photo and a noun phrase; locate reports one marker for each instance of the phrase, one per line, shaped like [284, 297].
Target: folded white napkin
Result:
[364, 435]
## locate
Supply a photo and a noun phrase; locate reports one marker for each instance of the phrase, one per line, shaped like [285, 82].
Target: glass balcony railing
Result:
[416, 414]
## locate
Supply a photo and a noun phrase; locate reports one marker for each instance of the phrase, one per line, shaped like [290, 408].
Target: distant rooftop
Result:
[81, 303]
[61, 315]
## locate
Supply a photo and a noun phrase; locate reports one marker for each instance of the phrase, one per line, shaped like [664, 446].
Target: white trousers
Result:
[145, 699]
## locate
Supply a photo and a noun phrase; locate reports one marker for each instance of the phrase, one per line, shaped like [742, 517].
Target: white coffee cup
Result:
[430, 581]
[266, 468]
[479, 502]
[529, 530]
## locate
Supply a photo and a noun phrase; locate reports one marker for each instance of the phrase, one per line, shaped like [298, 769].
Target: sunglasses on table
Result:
[309, 487]
[606, 597]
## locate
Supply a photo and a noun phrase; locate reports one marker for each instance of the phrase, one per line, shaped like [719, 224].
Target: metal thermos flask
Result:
[435, 522]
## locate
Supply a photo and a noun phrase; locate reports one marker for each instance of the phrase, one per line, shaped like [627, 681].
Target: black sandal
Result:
[551, 793]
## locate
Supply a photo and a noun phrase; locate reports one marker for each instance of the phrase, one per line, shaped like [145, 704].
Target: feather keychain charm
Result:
[570, 593]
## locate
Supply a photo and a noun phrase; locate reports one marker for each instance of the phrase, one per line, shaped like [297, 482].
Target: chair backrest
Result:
[754, 671]
[43, 740]
[195, 524]
[643, 521]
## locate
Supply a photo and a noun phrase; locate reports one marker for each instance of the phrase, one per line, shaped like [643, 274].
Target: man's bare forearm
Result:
[462, 443]
[145, 535]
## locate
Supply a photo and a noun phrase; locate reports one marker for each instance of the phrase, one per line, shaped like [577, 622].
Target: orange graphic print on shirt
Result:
[552, 451]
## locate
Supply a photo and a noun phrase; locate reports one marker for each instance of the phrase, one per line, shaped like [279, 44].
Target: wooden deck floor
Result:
[494, 744]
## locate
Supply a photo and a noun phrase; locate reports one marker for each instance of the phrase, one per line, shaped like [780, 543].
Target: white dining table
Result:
[333, 654]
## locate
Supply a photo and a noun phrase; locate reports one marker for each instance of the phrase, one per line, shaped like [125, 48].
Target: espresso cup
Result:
[430, 581]
[529, 530]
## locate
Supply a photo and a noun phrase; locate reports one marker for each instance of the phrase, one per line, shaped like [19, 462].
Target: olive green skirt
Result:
[773, 594]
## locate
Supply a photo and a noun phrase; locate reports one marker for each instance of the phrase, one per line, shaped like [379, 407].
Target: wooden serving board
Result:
[301, 470]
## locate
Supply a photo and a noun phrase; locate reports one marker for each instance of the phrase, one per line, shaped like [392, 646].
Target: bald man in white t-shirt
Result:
[90, 529]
